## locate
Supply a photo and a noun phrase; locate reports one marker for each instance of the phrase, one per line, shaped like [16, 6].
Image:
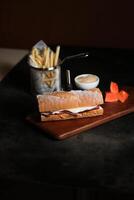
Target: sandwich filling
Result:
[72, 111]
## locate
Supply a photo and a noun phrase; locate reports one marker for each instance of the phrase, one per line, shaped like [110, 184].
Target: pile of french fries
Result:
[45, 58]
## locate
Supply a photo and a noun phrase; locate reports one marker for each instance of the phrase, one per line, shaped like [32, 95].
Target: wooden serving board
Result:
[63, 129]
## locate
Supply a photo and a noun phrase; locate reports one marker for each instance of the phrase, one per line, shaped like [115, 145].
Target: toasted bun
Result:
[65, 100]
[67, 115]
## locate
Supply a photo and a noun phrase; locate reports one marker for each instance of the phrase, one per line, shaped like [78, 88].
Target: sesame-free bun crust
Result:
[66, 100]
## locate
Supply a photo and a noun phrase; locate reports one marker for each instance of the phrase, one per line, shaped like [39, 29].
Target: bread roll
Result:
[72, 99]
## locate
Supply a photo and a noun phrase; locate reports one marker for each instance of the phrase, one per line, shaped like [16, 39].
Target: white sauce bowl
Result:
[86, 81]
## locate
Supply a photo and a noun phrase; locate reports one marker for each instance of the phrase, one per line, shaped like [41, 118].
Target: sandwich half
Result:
[72, 104]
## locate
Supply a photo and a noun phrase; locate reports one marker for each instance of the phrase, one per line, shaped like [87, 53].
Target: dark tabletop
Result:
[102, 157]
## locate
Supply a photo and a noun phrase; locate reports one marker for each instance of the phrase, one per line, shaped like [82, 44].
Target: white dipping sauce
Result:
[87, 78]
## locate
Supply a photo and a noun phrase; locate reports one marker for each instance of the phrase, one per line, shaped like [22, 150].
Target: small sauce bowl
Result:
[86, 81]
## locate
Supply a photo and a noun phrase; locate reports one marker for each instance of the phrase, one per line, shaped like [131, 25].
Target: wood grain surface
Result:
[63, 129]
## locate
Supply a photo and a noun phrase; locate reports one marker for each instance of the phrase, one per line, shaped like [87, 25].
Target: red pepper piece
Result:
[114, 87]
[111, 97]
[122, 96]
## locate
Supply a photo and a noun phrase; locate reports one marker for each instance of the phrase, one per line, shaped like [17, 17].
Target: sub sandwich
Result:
[72, 104]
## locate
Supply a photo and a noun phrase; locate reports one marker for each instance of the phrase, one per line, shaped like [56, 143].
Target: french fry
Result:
[48, 74]
[48, 82]
[53, 74]
[57, 55]
[33, 53]
[46, 58]
[38, 61]
[52, 82]
[51, 59]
